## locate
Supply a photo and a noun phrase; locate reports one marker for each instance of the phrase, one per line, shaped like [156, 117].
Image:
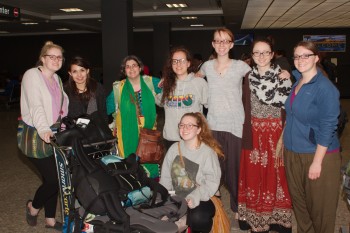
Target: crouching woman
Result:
[191, 168]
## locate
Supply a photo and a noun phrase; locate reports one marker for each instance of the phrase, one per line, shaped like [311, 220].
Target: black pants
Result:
[200, 219]
[46, 194]
[231, 145]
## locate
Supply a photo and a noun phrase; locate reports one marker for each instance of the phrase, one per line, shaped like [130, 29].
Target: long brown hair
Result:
[91, 84]
[205, 134]
[169, 76]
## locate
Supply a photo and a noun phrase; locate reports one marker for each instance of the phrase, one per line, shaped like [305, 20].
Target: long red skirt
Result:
[263, 197]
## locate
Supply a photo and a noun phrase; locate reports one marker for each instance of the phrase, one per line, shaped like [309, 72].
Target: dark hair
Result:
[245, 56]
[197, 56]
[281, 52]
[169, 75]
[91, 84]
[205, 134]
[263, 40]
[129, 58]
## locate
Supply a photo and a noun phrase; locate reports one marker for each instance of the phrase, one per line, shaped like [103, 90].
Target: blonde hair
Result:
[205, 134]
[47, 46]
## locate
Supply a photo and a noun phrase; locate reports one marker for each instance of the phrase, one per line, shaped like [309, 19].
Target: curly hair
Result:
[129, 58]
[91, 84]
[205, 134]
[169, 76]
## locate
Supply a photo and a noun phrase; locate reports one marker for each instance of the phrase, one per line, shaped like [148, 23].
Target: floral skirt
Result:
[263, 197]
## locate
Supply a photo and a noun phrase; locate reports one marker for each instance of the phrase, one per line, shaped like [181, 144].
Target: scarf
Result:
[268, 88]
[129, 119]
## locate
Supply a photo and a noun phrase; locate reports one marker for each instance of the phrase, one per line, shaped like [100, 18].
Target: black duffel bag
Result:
[87, 129]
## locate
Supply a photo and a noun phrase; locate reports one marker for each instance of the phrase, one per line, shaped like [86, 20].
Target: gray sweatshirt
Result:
[189, 96]
[199, 179]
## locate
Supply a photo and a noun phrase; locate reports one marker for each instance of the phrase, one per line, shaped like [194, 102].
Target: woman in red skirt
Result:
[264, 203]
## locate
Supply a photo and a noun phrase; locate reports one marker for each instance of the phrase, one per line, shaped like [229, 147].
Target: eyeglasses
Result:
[226, 42]
[54, 57]
[178, 61]
[131, 66]
[258, 54]
[186, 126]
[303, 56]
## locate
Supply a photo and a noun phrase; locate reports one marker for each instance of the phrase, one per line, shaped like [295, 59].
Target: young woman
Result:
[43, 102]
[225, 109]
[132, 103]
[85, 94]
[182, 92]
[191, 168]
[263, 199]
[312, 156]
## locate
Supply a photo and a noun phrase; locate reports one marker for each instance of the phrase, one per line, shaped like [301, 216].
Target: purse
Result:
[221, 222]
[150, 148]
[30, 143]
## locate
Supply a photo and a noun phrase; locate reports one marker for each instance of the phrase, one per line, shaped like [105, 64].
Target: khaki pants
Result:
[314, 201]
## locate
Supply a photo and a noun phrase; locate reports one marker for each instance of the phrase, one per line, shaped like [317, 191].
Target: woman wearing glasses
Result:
[43, 103]
[225, 109]
[264, 202]
[85, 94]
[132, 104]
[312, 156]
[191, 169]
[182, 92]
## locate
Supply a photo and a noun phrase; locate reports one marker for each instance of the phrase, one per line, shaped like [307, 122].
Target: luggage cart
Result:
[62, 156]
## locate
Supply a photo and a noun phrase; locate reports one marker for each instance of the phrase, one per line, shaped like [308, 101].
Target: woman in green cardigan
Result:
[132, 104]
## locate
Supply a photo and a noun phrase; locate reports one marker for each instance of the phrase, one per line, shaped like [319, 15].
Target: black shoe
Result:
[31, 220]
[58, 226]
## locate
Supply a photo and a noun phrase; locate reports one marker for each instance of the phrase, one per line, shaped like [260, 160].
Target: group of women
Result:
[272, 143]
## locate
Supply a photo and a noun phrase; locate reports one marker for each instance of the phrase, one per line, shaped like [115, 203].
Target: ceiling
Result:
[236, 14]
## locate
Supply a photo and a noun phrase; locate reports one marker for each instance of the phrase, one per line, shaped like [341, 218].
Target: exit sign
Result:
[9, 12]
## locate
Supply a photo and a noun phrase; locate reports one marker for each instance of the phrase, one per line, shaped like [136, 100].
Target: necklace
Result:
[81, 90]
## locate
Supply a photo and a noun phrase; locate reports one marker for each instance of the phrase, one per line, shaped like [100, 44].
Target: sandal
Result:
[31, 220]
[58, 226]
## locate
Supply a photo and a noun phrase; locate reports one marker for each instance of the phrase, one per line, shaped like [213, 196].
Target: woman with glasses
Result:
[312, 149]
[225, 109]
[182, 92]
[132, 104]
[191, 169]
[264, 203]
[85, 94]
[44, 103]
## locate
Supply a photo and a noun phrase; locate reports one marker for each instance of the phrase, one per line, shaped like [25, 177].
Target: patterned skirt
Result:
[263, 197]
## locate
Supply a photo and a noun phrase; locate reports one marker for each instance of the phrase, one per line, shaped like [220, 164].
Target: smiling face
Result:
[305, 64]
[180, 64]
[262, 55]
[79, 74]
[222, 43]
[132, 69]
[52, 60]
[189, 129]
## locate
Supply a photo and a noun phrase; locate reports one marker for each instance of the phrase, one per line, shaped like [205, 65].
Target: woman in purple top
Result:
[43, 102]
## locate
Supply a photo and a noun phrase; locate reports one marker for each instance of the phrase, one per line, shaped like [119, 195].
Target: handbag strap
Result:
[181, 157]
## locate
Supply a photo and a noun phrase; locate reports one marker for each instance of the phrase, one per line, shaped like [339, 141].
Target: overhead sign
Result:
[9, 12]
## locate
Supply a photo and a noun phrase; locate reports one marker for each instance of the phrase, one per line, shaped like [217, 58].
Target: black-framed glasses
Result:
[54, 57]
[178, 61]
[131, 66]
[225, 42]
[258, 54]
[303, 56]
[186, 126]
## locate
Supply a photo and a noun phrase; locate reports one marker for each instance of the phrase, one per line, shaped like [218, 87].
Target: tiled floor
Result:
[18, 180]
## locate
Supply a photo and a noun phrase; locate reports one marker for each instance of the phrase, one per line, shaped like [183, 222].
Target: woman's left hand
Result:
[284, 74]
[315, 171]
